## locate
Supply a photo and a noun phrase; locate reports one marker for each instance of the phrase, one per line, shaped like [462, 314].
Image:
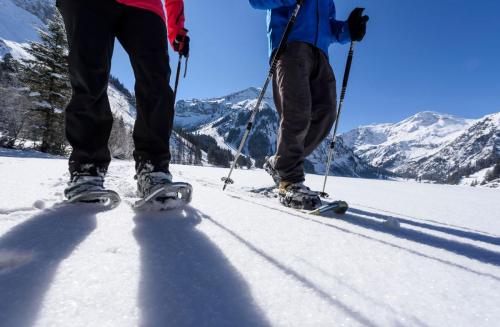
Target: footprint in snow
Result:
[39, 204]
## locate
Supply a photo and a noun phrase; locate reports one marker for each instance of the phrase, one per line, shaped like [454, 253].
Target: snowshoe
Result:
[298, 196]
[105, 197]
[158, 192]
[268, 191]
[338, 207]
[84, 188]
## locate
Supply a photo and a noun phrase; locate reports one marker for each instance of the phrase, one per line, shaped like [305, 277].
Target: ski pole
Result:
[186, 67]
[177, 77]
[333, 141]
[227, 180]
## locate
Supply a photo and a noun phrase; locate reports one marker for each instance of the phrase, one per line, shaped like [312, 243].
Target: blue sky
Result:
[418, 55]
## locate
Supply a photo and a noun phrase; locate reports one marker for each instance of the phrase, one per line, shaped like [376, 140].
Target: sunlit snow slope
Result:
[236, 259]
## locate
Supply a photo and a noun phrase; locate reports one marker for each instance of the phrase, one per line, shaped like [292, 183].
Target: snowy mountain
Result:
[476, 148]
[236, 258]
[392, 146]
[429, 145]
[16, 23]
[225, 119]
[43, 9]
[19, 22]
[121, 106]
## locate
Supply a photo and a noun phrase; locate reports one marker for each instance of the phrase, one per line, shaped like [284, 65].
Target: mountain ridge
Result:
[428, 145]
[224, 118]
[410, 148]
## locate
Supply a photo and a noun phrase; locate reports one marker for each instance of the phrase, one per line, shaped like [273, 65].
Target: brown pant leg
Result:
[324, 103]
[292, 94]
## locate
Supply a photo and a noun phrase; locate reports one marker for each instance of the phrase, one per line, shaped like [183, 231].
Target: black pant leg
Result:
[143, 34]
[90, 31]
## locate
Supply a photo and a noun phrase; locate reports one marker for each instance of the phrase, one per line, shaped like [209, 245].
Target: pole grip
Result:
[186, 67]
[347, 69]
[177, 77]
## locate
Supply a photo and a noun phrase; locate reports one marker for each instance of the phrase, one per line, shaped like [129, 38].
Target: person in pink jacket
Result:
[141, 28]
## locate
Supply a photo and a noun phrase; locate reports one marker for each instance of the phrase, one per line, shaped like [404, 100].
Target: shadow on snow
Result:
[44, 241]
[185, 279]
[464, 249]
[471, 235]
[288, 271]
[460, 248]
[13, 153]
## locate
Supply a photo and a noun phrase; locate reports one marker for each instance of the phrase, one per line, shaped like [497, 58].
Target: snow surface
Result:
[17, 50]
[240, 259]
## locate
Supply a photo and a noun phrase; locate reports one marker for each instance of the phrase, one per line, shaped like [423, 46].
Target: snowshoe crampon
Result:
[166, 197]
[106, 198]
[338, 207]
[302, 203]
[298, 196]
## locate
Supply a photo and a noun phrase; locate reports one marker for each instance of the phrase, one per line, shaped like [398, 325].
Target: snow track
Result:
[240, 259]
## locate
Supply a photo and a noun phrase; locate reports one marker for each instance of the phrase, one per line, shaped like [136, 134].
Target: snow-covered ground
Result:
[239, 259]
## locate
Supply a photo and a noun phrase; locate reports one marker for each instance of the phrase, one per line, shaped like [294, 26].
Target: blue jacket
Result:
[315, 24]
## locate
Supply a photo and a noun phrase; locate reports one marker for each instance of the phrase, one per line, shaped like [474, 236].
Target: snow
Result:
[428, 144]
[212, 131]
[17, 27]
[17, 24]
[195, 113]
[236, 259]
[121, 107]
[418, 136]
[17, 50]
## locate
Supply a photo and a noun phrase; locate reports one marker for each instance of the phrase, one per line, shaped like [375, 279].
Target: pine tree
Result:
[494, 173]
[8, 70]
[197, 156]
[46, 75]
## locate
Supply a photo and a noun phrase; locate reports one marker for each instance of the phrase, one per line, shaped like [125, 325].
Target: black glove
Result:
[181, 43]
[357, 24]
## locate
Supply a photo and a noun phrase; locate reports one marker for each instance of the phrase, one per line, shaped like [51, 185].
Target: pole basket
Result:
[227, 181]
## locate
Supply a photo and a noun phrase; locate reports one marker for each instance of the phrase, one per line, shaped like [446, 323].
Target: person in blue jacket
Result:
[304, 87]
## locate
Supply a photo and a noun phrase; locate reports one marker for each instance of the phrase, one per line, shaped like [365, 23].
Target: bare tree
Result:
[13, 115]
